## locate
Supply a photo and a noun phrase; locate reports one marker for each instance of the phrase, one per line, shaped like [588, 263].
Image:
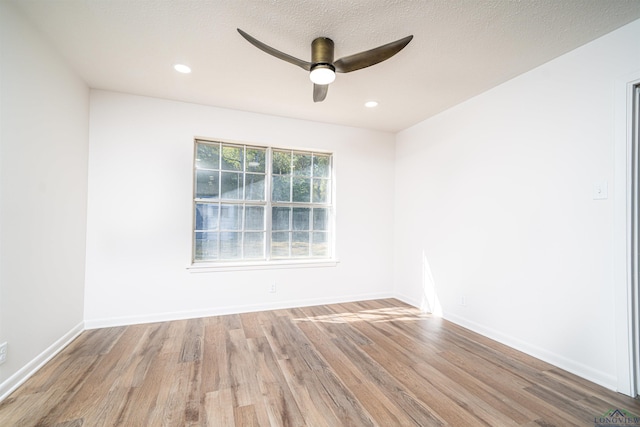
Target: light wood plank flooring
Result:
[372, 363]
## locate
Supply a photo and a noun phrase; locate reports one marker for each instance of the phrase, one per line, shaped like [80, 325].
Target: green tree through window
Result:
[259, 203]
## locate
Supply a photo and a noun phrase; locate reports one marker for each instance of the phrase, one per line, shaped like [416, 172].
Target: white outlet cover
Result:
[3, 352]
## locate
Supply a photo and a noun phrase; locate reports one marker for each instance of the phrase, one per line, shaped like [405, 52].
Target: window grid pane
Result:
[238, 215]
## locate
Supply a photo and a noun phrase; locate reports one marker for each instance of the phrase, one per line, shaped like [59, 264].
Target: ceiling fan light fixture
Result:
[322, 74]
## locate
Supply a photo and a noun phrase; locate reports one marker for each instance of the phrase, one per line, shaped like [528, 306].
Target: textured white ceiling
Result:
[460, 49]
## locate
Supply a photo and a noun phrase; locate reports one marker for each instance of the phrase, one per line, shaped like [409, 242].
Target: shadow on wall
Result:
[430, 302]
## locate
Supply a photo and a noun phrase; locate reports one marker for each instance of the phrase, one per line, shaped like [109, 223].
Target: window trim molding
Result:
[269, 263]
[222, 266]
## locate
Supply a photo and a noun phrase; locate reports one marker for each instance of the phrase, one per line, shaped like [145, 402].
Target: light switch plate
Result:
[600, 190]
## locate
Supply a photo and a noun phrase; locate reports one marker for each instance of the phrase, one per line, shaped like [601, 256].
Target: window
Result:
[261, 204]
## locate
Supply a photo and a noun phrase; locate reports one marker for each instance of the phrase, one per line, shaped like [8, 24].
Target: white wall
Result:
[494, 197]
[43, 194]
[140, 209]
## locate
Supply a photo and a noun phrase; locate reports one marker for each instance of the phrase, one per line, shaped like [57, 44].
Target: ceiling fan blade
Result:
[271, 51]
[370, 57]
[320, 92]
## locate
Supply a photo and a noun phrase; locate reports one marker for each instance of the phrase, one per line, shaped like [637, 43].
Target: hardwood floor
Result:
[372, 363]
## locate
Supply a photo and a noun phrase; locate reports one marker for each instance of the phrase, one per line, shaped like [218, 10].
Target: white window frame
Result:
[269, 262]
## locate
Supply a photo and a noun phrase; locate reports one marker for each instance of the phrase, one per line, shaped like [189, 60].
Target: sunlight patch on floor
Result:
[399, 314]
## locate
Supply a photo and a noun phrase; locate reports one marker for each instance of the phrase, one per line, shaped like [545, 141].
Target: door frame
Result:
[627, 336]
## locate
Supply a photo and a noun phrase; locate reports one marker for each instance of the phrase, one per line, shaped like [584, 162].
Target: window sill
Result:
[260, 265]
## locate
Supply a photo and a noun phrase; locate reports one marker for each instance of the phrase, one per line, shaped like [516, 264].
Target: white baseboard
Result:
[17, 379]
[219, 311]
[408, 300]
[586, 372]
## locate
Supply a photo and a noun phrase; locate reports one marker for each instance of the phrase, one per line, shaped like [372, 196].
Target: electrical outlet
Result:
[273, 289]
[463, 301]
[3, 352]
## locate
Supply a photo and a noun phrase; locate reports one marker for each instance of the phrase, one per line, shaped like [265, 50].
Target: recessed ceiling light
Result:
[181, 68]
[371, 104]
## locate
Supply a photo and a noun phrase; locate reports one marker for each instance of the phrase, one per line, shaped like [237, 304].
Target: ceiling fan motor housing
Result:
[322, 52]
